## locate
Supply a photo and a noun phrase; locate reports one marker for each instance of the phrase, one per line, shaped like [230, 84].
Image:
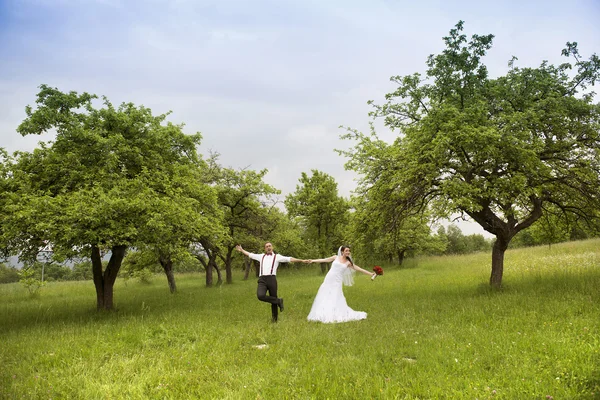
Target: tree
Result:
[550, 228]
[103, 185]
[243, 195]
[190, 210]
[496, 150]
[380, 231]
[140, 265]
[321, 210]
[456, 240]
[477, 242]
[442, 239]
[6, 196]
[8, 274]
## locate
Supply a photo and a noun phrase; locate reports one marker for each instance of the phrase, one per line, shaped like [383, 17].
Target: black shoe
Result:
[280, 304]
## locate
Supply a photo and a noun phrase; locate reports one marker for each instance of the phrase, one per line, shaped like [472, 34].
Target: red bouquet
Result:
[378, 270]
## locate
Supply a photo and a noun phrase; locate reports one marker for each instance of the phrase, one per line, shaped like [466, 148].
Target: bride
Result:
[330, 304]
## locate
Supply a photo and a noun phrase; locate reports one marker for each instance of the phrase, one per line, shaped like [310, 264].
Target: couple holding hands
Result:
[330, 304]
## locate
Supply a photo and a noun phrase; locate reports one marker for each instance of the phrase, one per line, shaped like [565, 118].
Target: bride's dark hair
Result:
[342, 253]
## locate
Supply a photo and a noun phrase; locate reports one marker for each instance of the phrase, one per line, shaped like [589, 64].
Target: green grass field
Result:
[434, 331]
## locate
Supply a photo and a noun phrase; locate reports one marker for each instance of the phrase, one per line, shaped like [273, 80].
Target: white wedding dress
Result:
[330, 304]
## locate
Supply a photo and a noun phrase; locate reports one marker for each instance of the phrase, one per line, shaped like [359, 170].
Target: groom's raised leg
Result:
[263, 286]
[268, 283]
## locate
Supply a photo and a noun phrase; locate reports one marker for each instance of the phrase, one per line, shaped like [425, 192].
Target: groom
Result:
[269, 261]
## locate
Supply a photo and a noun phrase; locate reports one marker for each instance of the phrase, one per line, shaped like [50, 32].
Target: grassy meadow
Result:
[434, 331]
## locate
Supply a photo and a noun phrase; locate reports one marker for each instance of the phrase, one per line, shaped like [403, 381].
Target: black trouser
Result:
[268, 282]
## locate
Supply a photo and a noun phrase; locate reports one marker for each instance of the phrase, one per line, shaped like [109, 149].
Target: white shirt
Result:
[269, 262]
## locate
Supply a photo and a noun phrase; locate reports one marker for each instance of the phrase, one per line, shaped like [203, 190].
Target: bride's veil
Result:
[347, 273]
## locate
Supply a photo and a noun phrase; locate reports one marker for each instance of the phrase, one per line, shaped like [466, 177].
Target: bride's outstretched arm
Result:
[359, 269]
[323, 260]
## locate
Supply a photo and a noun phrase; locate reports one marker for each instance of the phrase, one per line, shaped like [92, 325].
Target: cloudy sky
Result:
[266, 82]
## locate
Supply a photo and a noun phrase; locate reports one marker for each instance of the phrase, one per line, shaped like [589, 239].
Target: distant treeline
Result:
[136, 266]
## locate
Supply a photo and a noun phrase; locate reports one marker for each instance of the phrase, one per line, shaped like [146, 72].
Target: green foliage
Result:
[498, 150]
[101, 180]
[246, 201]
[322, 213]
[27, 277]
[139, 265]
[142, 276]
[6, 188]
[114, 177]
[551, 228]
[382, 231]
[8, 274]
[81, 271]
[190, 264]
[458, 243]
[288, 236]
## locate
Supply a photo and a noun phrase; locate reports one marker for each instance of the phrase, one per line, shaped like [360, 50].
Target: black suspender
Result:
[272, 265]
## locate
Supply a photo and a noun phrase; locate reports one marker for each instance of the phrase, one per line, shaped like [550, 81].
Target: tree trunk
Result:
[205, 263]
[248, 267]
[401, 256]
[228, 273]
[209, 273]
[210, 266]
[104, 282]
[97, 274]
[167, 265]
[504, 231]
[498, 250]
[219, 275]
[256, 267]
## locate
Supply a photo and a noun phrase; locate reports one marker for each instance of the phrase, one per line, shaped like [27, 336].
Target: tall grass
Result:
[434, 331]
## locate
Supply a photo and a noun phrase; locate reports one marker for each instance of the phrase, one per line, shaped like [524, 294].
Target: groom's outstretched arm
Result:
[292, 259]
[244, 252]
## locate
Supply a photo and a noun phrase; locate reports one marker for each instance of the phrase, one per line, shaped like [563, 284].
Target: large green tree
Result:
[179, 216]
[244, 197]
[382, 225]
[495, 149]
[380, 234]
[111, 179]
[321, 210]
